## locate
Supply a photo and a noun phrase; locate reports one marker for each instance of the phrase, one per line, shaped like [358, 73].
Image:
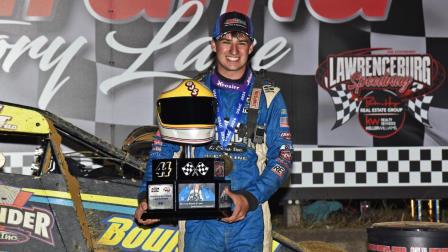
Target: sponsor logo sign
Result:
[381, 87]
[18, 224]
[124, 233]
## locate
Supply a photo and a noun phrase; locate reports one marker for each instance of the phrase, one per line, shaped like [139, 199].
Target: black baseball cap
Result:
[233, 22]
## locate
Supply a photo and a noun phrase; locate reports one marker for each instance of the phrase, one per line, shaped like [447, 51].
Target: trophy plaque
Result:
[188, 188]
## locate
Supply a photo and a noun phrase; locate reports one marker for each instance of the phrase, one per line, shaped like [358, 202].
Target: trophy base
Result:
[197, 214]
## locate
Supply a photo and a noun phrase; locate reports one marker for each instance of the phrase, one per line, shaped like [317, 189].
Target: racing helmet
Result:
[186, 113]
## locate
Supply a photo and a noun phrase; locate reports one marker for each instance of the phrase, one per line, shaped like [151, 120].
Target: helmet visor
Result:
[187, 110]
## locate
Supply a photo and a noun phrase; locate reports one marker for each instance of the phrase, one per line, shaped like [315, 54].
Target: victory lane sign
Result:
[188, 188]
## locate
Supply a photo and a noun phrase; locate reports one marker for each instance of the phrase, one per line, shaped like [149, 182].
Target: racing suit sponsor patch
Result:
[285, 152]
[284, 122]
[286, 135]
[279, 170]
[283, 162]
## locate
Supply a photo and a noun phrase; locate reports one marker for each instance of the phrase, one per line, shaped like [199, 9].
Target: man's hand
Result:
[141, 209]
[241, 207]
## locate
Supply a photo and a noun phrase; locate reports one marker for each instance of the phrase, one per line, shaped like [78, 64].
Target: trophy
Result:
[188, 188]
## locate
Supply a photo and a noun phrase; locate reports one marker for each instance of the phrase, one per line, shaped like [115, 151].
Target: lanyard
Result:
[226, 132]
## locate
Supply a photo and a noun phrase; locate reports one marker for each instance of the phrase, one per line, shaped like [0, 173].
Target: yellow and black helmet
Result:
[186, 113]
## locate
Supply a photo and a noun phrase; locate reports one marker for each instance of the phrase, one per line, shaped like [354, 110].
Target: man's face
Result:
[232, 53]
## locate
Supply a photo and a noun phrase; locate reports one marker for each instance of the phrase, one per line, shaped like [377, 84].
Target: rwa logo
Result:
[283, 11]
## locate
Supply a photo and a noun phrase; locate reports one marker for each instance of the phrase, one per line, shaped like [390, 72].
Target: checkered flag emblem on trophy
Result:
[189, 168]
[201, 168]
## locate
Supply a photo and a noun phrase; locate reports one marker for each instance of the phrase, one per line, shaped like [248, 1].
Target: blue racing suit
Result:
[258, 171]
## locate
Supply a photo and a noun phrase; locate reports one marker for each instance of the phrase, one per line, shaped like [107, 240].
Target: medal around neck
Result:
[188, 188]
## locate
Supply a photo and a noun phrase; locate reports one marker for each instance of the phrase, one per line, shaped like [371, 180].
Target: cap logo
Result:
[235, 21]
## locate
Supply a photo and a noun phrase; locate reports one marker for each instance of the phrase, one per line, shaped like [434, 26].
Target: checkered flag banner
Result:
[418, 107]
[190, 169]
[344, 103]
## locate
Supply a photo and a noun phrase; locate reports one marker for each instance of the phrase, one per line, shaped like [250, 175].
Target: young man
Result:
[259, 146]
